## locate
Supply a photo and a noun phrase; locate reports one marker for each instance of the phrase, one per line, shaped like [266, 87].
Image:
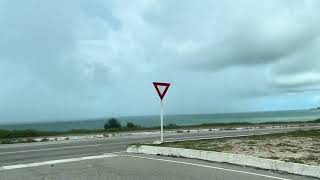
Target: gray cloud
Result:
[279, 35]
[38, 47]
[299, 71]
[91, 59]
[244, 36]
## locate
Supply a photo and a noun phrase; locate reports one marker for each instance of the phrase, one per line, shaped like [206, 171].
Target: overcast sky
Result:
[79, 59]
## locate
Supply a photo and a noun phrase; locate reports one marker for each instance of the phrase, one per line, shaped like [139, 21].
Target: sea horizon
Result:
[178, 119]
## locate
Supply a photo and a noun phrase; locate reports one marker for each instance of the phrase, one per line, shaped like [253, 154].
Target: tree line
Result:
[114, 123]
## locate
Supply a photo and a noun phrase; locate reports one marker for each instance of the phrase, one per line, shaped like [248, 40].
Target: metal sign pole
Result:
[161, 94]
[161, 117]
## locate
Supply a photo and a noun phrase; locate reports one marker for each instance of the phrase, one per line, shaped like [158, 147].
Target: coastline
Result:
[153, 120]
[30, 136]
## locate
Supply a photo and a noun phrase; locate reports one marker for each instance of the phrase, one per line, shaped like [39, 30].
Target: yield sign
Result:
[161, 88]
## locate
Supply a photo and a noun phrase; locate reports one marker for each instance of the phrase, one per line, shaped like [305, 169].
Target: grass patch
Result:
[12, 134]
[294, 160]
[251, 142]
[274, 157]
[6, 142]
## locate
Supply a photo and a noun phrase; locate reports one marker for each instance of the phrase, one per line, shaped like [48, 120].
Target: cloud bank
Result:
[80, 59]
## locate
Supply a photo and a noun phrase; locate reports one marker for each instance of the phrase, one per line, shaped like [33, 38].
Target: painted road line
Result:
[19, 166]
[206, 166]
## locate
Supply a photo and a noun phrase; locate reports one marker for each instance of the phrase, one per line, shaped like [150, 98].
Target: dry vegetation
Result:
[299, 146]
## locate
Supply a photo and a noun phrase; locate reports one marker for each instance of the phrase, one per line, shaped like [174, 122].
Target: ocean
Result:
[151, 121]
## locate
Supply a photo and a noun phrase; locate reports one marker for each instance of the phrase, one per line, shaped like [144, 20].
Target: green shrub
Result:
[112, 124]
[130, 125]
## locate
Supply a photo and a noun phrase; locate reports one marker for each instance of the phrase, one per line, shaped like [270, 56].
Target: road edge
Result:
[268, 164]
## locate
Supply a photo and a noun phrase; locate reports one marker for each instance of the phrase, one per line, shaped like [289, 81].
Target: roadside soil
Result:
[298, 147]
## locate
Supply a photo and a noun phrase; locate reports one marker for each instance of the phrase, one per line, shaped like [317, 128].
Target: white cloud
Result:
[298, 79]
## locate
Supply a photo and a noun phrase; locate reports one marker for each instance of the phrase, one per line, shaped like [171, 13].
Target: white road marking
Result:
[19, 166]
[206, 166]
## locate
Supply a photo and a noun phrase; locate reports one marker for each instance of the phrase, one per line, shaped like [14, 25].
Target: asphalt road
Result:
[27, 153]
[137, 167]
[116, 167]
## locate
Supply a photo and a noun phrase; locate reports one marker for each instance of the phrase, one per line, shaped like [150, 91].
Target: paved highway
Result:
[12, 156]
[27, 153]
[137, 167]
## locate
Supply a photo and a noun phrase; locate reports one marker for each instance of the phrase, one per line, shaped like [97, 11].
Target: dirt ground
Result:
[299, 146]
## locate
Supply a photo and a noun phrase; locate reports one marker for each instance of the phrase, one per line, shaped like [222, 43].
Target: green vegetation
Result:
[112, 123]
[315, 121]
[11, 134]
[6, 134]
[294, 160]
[130, 125]
[273, 157]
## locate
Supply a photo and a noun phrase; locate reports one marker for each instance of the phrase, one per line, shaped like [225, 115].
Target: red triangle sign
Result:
[161, 88]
